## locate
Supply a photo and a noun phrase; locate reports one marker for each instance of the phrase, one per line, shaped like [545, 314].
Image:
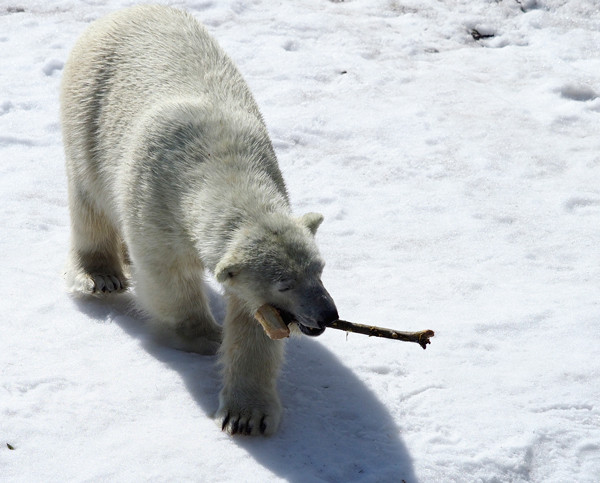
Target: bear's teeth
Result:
[272, 323]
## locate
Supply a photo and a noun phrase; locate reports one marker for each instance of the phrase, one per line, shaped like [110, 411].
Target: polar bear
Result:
[171, 172]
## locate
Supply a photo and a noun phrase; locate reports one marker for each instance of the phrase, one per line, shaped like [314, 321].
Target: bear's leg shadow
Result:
[171, 290]
[248, 403]
[96, 259]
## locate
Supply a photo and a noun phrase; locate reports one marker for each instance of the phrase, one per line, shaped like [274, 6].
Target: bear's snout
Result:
[328, 314]
[318, 312]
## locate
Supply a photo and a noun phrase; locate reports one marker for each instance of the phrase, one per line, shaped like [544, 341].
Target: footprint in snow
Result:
[577, 203]
[52, 66]
[6, 107]
[578, 92]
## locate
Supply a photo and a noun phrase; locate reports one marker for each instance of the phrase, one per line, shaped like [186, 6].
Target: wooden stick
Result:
[421, 337]
[272, 323]
[276, 328]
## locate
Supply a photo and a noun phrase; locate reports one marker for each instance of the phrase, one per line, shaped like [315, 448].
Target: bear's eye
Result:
[285, 285]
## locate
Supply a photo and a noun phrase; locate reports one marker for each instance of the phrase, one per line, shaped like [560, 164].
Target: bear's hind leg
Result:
[96, 257]
[172, 292]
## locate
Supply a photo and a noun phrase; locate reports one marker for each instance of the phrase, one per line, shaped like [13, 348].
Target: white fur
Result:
[171, 172]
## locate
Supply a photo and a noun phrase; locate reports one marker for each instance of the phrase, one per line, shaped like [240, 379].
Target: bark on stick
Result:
[421, 337]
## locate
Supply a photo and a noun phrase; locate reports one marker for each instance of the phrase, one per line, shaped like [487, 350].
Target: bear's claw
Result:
[107, 283]
[97, 284]
[256, 423]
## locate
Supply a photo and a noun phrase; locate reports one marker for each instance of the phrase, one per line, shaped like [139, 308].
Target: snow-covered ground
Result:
[460, 181]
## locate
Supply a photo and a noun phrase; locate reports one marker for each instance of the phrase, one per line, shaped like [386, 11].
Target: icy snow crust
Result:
[459, 179]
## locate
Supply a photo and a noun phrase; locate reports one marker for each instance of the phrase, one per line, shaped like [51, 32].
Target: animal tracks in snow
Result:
[582, 204]
[52, 66]
[578, 92]
[52, 384]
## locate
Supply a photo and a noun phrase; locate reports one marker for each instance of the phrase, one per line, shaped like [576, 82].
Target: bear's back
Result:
[134, 59]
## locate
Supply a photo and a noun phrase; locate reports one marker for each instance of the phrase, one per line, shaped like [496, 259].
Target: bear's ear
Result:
[312, 221]
[224, 272]
[228, 267]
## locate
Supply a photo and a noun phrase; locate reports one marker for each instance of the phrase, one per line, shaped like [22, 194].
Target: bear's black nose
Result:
[328, 312]
[328, 316]
[318, 308]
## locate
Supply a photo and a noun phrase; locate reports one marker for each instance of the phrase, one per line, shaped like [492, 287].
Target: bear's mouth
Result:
[289, 318]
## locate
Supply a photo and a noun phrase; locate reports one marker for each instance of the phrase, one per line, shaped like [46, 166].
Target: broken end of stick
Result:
[424, 337]
[272, 323]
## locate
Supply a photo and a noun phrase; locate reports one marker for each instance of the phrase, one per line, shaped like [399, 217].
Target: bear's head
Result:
[276, 261]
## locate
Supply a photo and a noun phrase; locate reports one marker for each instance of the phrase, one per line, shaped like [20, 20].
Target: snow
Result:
[459, 180]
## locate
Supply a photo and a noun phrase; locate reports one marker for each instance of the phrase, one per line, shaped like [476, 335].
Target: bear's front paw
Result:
[240, 413]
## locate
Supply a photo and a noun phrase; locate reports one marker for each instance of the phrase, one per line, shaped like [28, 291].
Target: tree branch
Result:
[421, 337]
[276, 328]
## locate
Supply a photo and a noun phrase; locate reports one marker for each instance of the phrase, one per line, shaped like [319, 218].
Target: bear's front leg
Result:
[248, 403]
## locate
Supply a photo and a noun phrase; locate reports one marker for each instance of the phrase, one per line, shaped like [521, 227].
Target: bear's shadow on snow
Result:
[333, 427]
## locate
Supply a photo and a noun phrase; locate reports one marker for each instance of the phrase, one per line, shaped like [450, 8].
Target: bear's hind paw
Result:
[98, 284]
